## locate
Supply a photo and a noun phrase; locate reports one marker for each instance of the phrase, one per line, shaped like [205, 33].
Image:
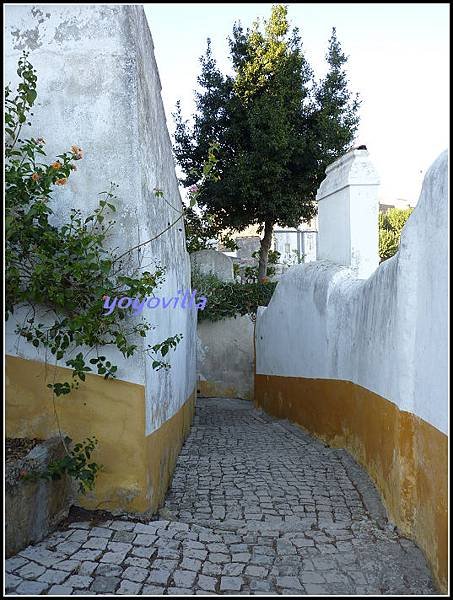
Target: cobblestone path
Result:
[256, 506]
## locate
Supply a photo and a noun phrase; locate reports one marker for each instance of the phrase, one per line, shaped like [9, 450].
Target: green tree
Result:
[391, 224]
[275, 129]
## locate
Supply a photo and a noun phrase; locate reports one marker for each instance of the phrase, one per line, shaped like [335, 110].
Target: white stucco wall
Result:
[388, 333]
[348, 214]
[99, 88]
[212, 262]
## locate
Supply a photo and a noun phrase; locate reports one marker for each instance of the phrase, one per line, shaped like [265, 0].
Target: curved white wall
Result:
[388, 333]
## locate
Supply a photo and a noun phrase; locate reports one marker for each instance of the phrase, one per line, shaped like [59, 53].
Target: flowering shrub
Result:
[65, 269]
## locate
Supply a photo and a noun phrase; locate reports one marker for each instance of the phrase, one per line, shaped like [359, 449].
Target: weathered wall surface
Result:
[34, 508]
[225, 358]
[211, 262]
[363, 364]
[225, 353]
[98, 87]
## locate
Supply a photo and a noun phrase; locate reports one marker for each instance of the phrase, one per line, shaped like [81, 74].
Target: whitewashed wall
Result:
[348, 214]
[388, 333]
[99, 88]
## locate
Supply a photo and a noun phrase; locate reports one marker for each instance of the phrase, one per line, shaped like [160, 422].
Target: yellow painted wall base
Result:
[136, 468]
[405, 456]
[213, 389]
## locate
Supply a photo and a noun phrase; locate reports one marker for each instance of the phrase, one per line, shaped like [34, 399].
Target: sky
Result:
[398, 62]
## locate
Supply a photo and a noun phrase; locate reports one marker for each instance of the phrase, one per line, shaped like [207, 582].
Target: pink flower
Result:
[77, 152]
[193, 189]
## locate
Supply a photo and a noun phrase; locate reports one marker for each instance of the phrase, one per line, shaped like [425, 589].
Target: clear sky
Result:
[398, 62]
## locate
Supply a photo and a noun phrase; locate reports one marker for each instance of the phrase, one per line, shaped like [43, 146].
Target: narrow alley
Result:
[256, 506]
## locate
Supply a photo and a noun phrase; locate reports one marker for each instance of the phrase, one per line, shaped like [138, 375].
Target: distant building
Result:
[296, 245]
[400, 203]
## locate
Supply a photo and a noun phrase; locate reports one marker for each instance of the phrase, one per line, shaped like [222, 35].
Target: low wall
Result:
[363, 365]
[34, 508]
[225, 358]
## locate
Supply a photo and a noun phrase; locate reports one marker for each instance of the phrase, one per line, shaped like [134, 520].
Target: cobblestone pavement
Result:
[256, 506]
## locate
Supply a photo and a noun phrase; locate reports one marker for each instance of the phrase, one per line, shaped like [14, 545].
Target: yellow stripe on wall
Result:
[136, 468]
[405, 456]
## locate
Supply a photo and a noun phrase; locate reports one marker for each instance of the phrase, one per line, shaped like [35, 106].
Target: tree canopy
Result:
[275, 129]
[391, 224]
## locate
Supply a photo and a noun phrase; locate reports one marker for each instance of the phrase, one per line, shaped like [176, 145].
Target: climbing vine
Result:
[61, 273]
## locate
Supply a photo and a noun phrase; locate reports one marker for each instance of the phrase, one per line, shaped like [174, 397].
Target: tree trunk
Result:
[264, 250]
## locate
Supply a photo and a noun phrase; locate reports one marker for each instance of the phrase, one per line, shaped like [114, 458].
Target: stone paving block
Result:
[289, 582]
[233, 569]
[137, 574]
[122, 525]
[191, 564]
[119, 547]
[86, 554]
[218, 558]
[184, 579]
[31, 588]
[256, 571]
[168, 553]
[53, 576]
[312, 577]
[143, 551]
[79, 581]
[159, 577]
[130, 588]
[241, 557]
[78, 535]
[68, 565]
[104, 584]
[96, 543]
[260, 585]
[177, 591]
[124, 536]
[211, 569]
[68, 547]
[42, 556]
[207, 583]
[147, 528]
[314, 589]
[135, 561]
[194, 553]
[115, 558]
[100, 532]
[152, 590]
[231, 584]
[11, 564]
[174, 525]
[31, 571]
[165, 564]
[60, 590]
[144, 539]
[87, 568]
[12, 581]
[108, 570]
